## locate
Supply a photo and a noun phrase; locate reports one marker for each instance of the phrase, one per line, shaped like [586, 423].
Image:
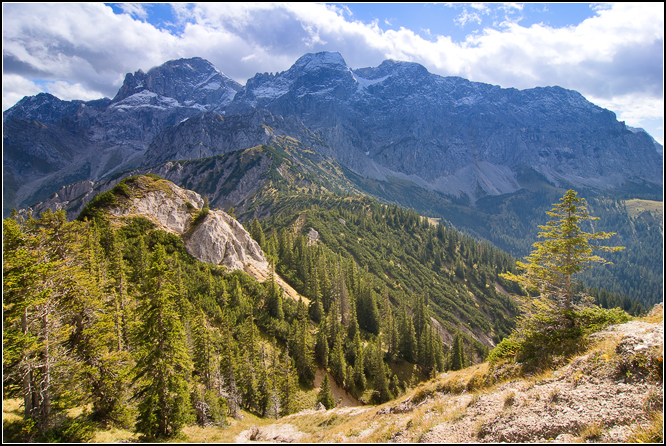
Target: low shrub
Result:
[505, 350]
[548, 338]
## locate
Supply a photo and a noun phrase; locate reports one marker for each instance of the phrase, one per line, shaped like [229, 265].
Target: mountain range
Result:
[477, 155]
[394, 121]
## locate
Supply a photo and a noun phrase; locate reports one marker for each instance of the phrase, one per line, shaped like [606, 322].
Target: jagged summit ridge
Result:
[397, 120]
[184, 80]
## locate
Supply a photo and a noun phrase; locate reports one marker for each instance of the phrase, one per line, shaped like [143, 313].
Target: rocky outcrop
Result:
[216, 238]
[170, 207]
[219, 239]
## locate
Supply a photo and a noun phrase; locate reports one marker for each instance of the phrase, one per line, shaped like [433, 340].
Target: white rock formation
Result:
[218, 239]
[221, 240]
[167, 209]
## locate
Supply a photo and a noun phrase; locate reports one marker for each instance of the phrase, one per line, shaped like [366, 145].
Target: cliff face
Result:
[394, 121]
[218, 238]
[221, 240]
[449, 134]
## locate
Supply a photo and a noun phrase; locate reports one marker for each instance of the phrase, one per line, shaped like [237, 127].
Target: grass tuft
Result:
[653, 432]
[591, 432]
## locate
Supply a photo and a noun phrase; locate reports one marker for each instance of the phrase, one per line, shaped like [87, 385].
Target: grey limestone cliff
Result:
[394, 121]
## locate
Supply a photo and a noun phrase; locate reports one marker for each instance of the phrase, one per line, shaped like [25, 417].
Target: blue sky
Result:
[611, 53]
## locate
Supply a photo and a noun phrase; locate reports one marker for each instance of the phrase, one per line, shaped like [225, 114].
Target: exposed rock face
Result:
[167, 209]
[396, 120]
[210, 134]
[49, 143]
[221, 240]
[218, 239]
[192, 80]
[449, 134]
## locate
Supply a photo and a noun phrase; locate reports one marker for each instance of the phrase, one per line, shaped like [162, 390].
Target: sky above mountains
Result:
[611, 53]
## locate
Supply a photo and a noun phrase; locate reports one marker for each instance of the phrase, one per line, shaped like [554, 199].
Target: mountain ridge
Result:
[446, 134]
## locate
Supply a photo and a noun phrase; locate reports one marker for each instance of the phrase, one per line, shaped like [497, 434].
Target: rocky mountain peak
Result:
[193, 79]
[316, 61]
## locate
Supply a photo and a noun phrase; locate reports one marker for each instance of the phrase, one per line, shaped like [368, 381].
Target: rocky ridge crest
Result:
[217, 238]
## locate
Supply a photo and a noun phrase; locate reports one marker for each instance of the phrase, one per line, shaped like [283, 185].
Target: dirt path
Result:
[342, 398]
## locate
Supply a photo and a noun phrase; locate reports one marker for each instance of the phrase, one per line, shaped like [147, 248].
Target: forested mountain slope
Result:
[122, 288]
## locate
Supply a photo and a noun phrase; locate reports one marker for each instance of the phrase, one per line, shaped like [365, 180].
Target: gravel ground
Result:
[558, 409]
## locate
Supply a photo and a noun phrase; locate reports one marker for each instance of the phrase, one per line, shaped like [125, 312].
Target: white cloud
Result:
[615, 55]
[67, 92]
[467, 17]
[14, 87]
[134, 9]
[634, 109]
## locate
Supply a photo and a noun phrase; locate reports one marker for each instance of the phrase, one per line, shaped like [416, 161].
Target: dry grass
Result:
[653, 432]
[656, 316]
[114, 435]
[591, 432]
[12, 410]
[637, 206]
[214, 434]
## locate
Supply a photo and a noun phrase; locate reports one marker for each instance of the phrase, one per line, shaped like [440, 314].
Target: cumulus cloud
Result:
[614, 57]
[15, 87]
[67, 92]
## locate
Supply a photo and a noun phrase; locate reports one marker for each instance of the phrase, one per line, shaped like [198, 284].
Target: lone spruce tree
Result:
[565, 251]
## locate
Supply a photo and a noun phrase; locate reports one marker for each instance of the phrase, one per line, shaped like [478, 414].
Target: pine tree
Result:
[408, 343]
[41, 278]
[98, 342]
[380, 374]
[325, 397]
[164, 368]
[257, 233]
[336, 360]
[359, 372]
[288, 383]
[565, 251]
[366, 310]
[316, 310]
[228, 371]
[274, 296]
[204, 352]
[321, 347]
[458, 358]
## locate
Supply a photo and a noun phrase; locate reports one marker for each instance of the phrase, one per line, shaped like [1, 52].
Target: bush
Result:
[93, 209]
[546, 338]
[121, 189]
[505, 350]
[73, 430]
[199, 216]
